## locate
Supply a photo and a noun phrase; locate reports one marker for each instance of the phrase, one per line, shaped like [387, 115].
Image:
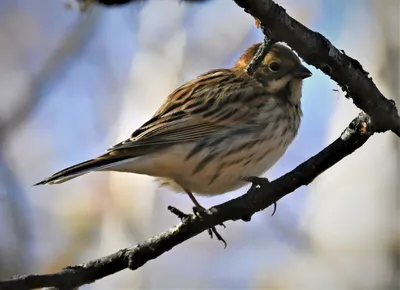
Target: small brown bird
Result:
[214, 131]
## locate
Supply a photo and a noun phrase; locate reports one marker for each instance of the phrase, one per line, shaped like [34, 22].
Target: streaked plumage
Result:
[215, 129]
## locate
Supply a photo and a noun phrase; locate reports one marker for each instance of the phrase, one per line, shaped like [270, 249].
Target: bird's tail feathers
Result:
[96, 164]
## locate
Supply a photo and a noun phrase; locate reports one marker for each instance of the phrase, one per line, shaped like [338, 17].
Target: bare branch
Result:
[318, 51]
[256, 199]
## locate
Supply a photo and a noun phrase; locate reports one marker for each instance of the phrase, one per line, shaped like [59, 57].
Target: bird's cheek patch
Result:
[277, 85]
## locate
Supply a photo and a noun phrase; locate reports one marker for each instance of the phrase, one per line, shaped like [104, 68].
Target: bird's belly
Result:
[227, 176]
[216, 172]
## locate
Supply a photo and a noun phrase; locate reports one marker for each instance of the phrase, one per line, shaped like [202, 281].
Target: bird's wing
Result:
[215, 100]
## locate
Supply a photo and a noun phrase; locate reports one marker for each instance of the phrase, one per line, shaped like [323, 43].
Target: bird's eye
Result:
[274, 66]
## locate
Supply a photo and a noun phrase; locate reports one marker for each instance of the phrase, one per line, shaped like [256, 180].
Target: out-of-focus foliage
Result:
[75, 83]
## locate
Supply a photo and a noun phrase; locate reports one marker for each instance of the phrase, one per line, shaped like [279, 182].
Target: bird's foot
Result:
[199, 211]
[257, 181]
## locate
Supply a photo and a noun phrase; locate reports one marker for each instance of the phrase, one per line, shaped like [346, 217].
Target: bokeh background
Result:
[73, 84]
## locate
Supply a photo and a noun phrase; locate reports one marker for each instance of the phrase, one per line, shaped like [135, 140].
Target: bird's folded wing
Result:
[212, 102]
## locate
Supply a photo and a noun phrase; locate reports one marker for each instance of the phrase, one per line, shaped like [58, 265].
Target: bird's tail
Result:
[96, 164]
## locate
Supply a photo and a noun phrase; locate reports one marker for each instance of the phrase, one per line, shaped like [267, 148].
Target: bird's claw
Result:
[273, 212]
[199, 210]
[258, 181]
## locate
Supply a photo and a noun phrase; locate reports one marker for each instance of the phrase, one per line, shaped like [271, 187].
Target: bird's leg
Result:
[194, 200]
[257, 181]
[198, 209]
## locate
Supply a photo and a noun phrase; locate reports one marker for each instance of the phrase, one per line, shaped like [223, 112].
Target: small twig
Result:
[181, 215]
[262, 51]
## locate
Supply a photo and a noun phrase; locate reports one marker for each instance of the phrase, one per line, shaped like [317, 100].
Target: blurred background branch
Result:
[31, 95]
[54, 67]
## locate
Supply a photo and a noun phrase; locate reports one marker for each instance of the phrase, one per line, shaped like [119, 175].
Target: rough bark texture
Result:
[318, 51]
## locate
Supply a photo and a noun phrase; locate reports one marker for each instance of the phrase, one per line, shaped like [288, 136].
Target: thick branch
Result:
[256, 199]
[318, 51]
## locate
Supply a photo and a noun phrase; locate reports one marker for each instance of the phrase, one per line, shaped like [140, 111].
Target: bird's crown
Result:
[280, 61]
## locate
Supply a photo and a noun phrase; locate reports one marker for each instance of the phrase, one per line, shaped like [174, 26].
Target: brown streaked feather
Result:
[198, 109]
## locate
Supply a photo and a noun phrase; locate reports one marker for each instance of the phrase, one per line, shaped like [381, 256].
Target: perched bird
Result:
[215, 130]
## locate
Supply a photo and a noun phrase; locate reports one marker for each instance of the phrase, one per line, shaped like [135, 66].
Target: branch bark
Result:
[318, 51]
[256, 199]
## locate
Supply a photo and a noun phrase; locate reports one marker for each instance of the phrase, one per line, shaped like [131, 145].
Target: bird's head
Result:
[281, 69]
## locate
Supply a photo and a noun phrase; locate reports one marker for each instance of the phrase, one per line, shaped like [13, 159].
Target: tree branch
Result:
[256, 199]
[318, 51]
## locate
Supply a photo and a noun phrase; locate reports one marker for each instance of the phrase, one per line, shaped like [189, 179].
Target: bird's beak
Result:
[302, 72]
